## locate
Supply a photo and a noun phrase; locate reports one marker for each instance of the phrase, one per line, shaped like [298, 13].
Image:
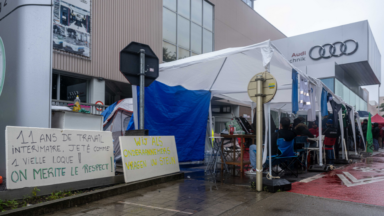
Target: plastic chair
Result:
[302, 140]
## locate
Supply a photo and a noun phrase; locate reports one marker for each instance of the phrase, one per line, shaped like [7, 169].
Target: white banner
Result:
[38, 157]
[148, 156]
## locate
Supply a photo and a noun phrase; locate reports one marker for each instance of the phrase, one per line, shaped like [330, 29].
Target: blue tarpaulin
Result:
[324, 102]
[108, 111]
[176, 111]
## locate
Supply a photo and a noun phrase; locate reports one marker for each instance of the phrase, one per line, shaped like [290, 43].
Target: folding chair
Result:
[287, 159]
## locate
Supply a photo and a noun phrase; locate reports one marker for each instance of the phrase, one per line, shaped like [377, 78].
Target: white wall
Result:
[303, 43]
[26, 97]
[323, 70]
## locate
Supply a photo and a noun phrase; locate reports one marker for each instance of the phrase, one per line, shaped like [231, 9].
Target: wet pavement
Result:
[360, 182]
[183, 197]
[345, 191]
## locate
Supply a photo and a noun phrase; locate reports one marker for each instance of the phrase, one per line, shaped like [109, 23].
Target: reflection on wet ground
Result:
[361, 182]
[205, 194]
[183, 197]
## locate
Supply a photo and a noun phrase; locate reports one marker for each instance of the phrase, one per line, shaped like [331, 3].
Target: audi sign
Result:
[320, 52]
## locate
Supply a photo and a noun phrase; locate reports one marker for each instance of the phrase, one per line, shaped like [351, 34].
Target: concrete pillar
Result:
[26, 29]
[96, 90]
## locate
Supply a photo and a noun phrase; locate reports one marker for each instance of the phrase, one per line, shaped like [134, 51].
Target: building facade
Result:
[344, 58]
[174, 29]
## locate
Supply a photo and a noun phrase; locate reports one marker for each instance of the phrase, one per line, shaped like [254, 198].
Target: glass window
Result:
[358, 103]
[183, 8]
[171, 4]
[169, 26]
[249, 3]
[183, 32]
[352, 99]
[197, 11]
[208, 16]
[196, 38]
[339, 88]
[169, 52]
[54, 86]
[70, 87]
[346, 92]
[330, 83]
[207, 41]
[362, 105]
[188, 26]
[183, 53]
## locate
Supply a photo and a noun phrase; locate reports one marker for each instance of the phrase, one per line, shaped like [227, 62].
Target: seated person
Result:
[314, 130]
[284, 133]
[302, 130]
[298, 121]
[330, 139]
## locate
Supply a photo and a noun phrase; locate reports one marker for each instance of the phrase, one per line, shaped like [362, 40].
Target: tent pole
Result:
[269, 138]
[210, 117]
[352, 119]
[252, 113]
[342, 132]
[320, 139]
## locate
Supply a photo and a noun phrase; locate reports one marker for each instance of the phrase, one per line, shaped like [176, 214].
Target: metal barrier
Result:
[93, 108]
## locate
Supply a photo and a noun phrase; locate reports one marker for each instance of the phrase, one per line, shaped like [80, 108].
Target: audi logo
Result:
[344, 50]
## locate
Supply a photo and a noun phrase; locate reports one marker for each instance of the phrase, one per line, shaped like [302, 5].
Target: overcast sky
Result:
[295, 17]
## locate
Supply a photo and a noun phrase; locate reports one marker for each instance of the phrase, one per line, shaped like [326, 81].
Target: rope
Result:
[269, 177]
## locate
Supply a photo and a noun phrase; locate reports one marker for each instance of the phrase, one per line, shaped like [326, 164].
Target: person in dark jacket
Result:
[297, 121]
[331, 136]
[364, 128]
[285, 132]
[302, 130]
[364, 135]
[376, 135]
[324, 122]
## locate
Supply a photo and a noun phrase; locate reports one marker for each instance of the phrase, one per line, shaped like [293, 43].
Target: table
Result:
[234, 162]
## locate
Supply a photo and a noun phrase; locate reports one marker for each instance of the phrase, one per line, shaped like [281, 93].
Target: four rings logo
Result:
[332, 51]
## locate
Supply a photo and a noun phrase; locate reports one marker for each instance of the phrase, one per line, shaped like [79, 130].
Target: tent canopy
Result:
[224, 74]
[228, 71]
[378, 119]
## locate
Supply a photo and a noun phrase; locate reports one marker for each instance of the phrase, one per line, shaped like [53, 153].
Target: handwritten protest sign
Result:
[39, 157]
[148, 156]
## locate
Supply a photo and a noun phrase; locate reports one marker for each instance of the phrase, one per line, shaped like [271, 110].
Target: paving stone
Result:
[75, 210]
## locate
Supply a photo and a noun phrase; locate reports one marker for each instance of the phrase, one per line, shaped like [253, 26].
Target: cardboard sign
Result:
[148, 156]
[38, 157]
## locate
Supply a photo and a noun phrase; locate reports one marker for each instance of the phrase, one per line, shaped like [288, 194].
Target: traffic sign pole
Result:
[142, 86]
[259, 132]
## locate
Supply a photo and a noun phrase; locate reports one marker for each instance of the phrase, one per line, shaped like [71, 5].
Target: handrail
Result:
[94, 108]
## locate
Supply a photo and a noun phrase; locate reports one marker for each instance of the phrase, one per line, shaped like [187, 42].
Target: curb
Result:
[81, 199]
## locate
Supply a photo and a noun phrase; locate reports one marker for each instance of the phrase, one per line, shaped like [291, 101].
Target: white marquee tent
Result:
[226, 74]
